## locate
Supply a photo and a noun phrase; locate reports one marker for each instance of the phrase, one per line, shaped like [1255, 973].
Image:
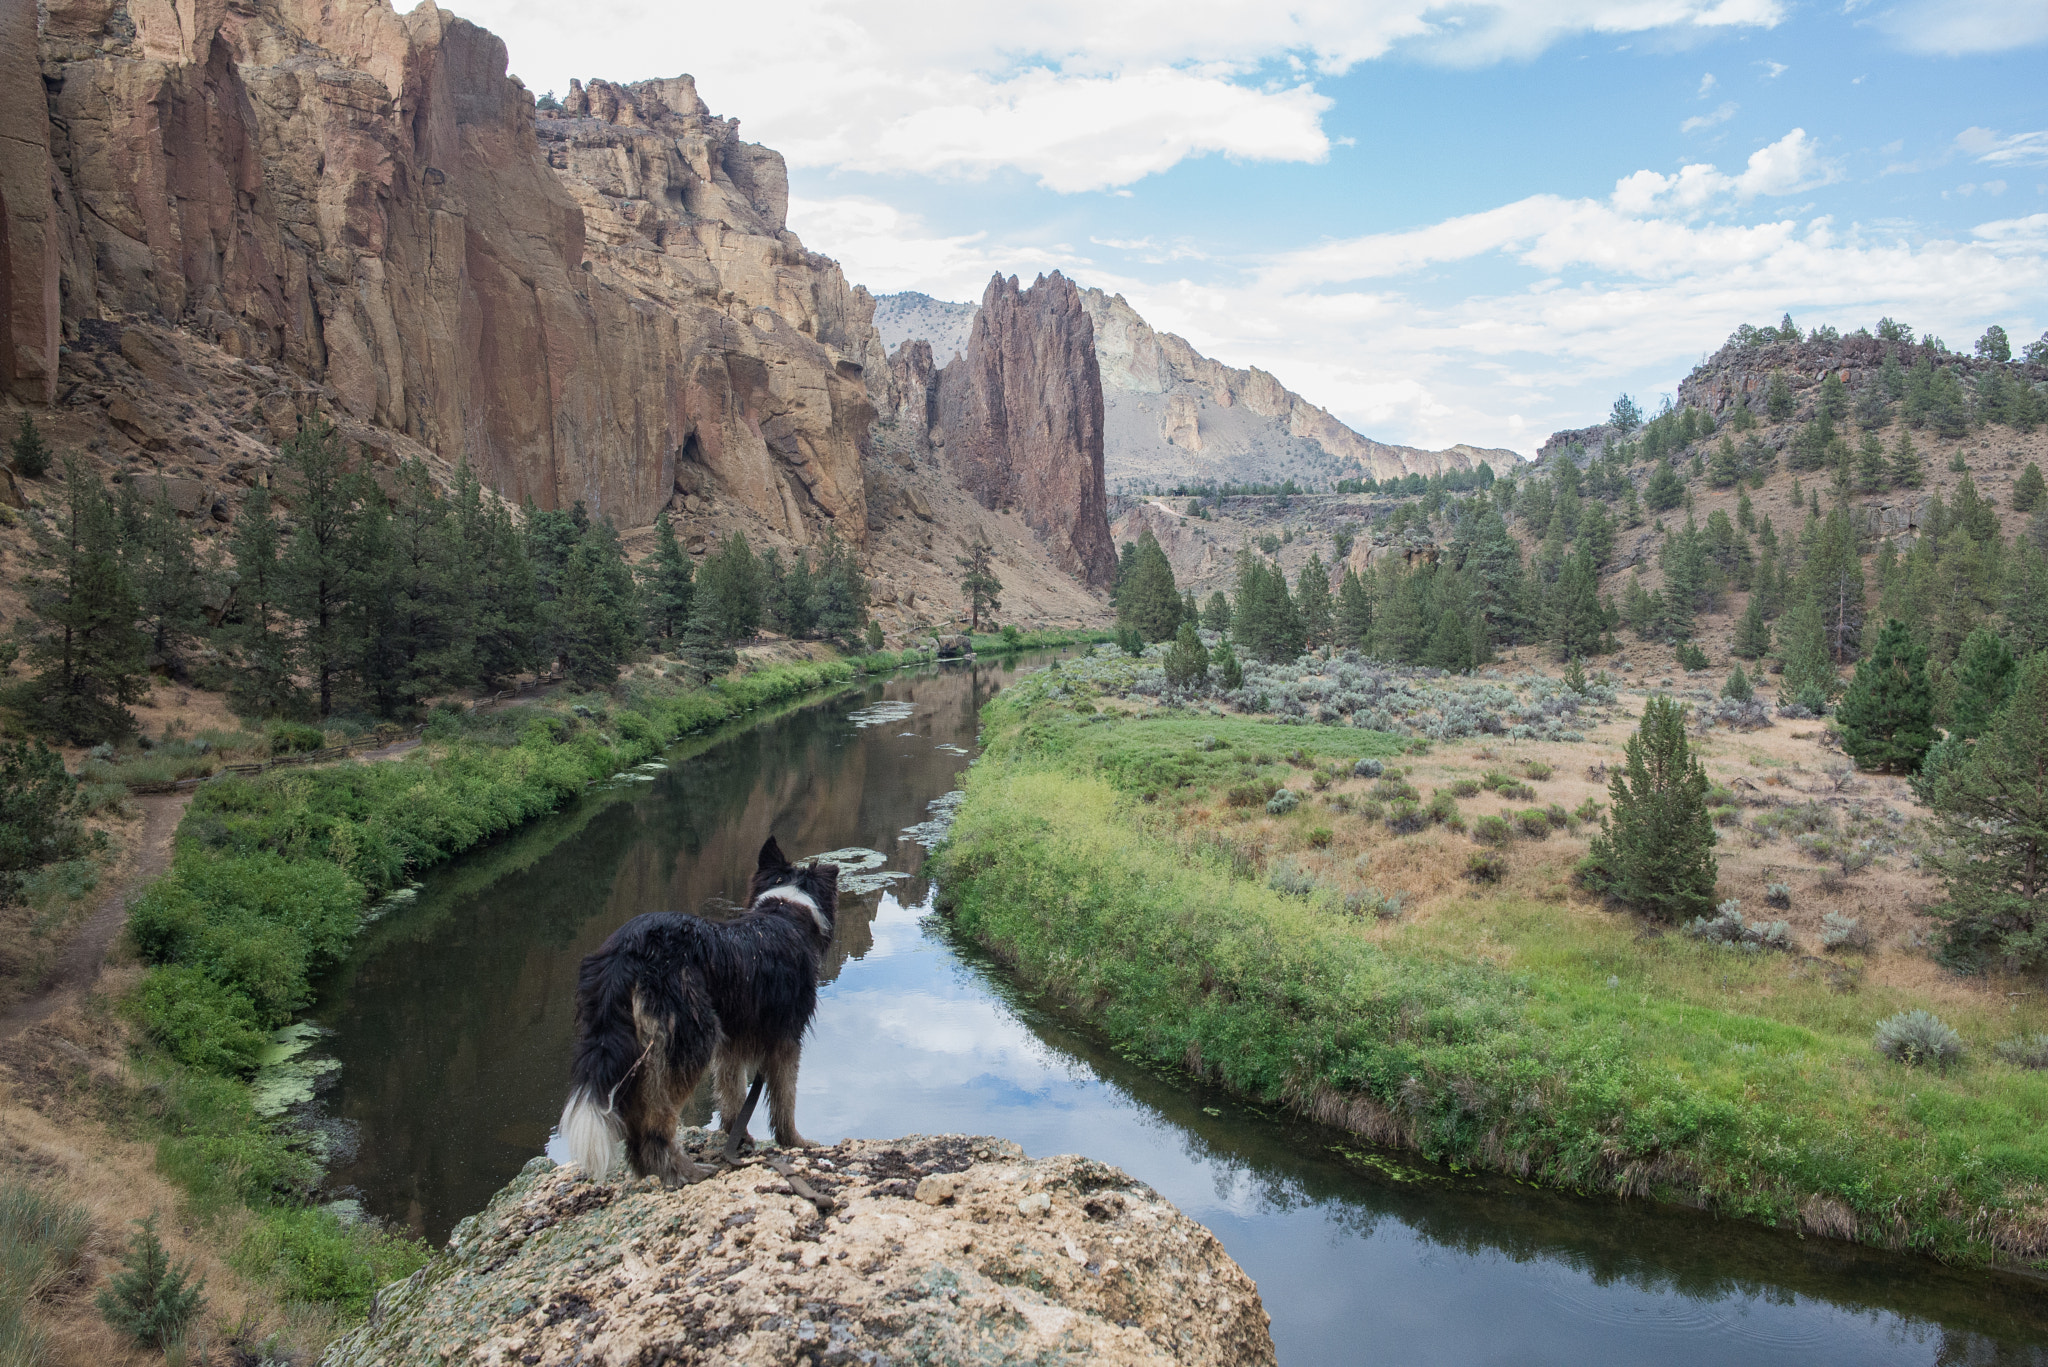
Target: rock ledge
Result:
[946, 1249]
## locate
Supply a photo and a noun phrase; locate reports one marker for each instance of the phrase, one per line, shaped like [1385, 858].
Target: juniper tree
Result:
[1873, 472]
[1833, 577]
[2025, 600]
[85, 649]
[1984, 674]
[786, 593]
[1994, 345]
[596, 622]
[1833, 400]
[1655, 848]
[1872, 409]
[1737, 688]
[1891, 376]
[839, 592]
[1351, 621]
[1991, 812]
[1265, 622]
[427, 590]
[1665, 490]
[1229, 673]
[1887, 715]
[39, 815]
[983, 591]
[505, 604]
[1727, 466]
[1576, 622]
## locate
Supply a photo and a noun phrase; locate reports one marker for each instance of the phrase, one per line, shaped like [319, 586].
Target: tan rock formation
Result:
[1020, 418]
[1182, 423]
[29, 239]
[942, 1250]
[604, 305]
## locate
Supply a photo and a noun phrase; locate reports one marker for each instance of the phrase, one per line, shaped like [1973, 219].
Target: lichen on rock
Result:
[937, 1249]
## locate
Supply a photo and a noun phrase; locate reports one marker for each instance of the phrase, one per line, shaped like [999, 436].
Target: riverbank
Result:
[1113, 854]
[270, 878]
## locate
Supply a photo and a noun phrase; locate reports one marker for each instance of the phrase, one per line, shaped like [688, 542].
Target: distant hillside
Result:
[1173, 416]
[943, 323]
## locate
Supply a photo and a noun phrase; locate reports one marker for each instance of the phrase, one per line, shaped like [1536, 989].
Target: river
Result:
[452, 1023]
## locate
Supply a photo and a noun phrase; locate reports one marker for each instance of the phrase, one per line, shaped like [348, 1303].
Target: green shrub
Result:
[1486, 866]
[1516, 792]
[1493, 830]
[1290, 878]
[1726, 816]
[41, 1241]
[1320, 837]
[1587, 811]
[1465, 787]
[1252, 794]
[1917, 1036]
[1283, 801]
[1533, 822]
[1395, 790]
[314, 1256]
[1536, 769]
[2024, 1051]
[1691, 657]
[1843, 932]
[150, 1301]
[1405, 817]
[1443, 807]
[291, 738]
[199, 1022]
[1558, 816]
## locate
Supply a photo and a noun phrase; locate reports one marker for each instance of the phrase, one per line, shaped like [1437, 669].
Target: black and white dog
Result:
[670, 995]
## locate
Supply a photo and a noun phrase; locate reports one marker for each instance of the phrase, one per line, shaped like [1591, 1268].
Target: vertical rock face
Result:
[28, 237]
[1020, 420]
[603, 305]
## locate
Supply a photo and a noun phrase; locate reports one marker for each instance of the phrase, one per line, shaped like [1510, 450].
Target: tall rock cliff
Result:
[1020, 420]
[602, 305]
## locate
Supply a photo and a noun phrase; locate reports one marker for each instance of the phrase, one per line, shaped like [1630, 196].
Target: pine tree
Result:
[1148, 600]
[1266, 623]
[1984, 674]
[1743, 419]
[149, 1300]
[1655, 849]
[31, 453]
[85, 648]
[1187, 663]
[257, 628]
[786, 593]
[1872, 410]
[1833, 577]
[984, 592]
[2025, 601]
[1665, 490]
[1727, 466]
[1352, 623]
[322, 562]
[701, 650]
[1778, 398]
[1738, 687]
[730, 586]
[596, 622]
[1887, 716]
[2029, 489]
[1833, 400]
[427, 593]
[1752, 633]
[1809, 666]
[1991, 812]
[1577, 621]
[162, 562]
[39, 815]
[1216, 614]
[1229, 673]
[838, 605]
[1873, 472]
[1631, 508]
[1891, 376]
[667, 582]
[1312, 602]
[504, 616]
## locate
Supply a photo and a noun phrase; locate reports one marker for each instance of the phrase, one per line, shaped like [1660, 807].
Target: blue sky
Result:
[1443, 222]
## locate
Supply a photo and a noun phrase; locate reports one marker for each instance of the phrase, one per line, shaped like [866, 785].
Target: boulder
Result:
[929, 1250]
[950, 647]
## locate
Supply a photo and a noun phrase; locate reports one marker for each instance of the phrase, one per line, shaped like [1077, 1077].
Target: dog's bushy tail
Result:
[608, 1046]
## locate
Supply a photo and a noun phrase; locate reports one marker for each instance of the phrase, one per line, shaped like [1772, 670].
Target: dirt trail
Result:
[79, 965]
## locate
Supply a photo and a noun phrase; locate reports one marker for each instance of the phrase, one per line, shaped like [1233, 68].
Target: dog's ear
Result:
[772, 858]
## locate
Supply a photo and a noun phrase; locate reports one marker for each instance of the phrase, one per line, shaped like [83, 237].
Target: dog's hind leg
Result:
[732, 1069]
[679, 1050]
[781, 1065]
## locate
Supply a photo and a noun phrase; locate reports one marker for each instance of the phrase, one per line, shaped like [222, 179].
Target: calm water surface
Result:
[453, 1025]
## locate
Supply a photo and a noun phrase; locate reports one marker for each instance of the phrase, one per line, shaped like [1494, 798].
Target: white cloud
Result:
[1791, 164]
[1989, 147]
[1773, 70]
[1722, 114]
[1073, 93]
[1952, 28]
[1707, 84]
[887, 249]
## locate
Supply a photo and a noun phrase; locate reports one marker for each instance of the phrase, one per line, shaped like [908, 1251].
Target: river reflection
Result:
[453, 1026]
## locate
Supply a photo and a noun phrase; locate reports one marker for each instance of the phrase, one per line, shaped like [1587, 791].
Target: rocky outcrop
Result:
[934, 1250]
[1583, 443]
[1741, 370]
[604, 305]
[1020, 420]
